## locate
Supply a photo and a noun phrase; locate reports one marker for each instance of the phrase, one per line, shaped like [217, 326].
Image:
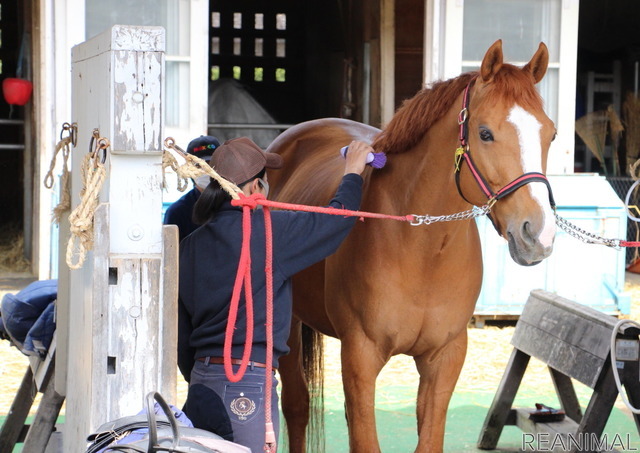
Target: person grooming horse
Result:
[209, 260]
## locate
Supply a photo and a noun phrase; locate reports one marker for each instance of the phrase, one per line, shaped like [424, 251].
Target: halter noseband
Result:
[462, 152]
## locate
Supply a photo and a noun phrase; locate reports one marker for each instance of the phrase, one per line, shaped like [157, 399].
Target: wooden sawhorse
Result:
[38, 377]
[575, 342]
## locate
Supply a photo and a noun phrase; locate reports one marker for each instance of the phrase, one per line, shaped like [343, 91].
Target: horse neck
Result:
[421, 180]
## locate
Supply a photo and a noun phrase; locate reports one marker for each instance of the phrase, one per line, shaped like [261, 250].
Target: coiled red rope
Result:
[243, 276]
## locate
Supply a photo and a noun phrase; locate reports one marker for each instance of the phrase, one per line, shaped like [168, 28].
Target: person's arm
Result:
[186, 353]
[306, 237]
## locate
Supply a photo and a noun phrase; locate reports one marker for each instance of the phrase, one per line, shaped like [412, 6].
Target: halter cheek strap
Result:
[463, 154]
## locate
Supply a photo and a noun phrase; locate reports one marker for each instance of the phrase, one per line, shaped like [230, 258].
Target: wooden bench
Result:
[39, 377]
[574, 341]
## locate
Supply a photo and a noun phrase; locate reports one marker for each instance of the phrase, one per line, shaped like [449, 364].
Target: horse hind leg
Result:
[295, 394]
[438, 377]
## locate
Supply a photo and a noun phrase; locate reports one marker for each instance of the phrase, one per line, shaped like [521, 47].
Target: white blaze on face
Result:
[528, 129]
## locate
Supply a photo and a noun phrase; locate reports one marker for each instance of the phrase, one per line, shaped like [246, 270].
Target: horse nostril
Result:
[527, 235]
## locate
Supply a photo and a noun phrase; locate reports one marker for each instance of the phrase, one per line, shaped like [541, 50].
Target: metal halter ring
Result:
[462, 116]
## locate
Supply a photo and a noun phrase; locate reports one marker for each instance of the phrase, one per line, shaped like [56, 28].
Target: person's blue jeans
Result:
[242, 402]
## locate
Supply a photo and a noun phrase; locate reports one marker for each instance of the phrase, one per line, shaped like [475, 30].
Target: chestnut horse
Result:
[393, 288]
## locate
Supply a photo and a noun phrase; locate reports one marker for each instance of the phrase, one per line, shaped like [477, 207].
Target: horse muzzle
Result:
[529, 244]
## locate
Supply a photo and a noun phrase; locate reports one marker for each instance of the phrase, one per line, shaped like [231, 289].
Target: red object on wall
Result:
[16, 91]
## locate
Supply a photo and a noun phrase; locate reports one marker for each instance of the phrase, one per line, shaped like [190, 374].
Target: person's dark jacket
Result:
[209, 260]
[181, 213]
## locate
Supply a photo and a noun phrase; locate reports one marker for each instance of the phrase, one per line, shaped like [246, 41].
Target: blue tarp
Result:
[27, 318]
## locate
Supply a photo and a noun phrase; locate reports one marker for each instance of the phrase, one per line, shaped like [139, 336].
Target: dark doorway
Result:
[14, 63]
[608, 75]
[608, 98]
[261, 45]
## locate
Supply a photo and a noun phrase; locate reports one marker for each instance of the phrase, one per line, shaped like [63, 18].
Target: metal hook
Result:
[170, 143]
[72, 130]
[103, 145]
[97, 144]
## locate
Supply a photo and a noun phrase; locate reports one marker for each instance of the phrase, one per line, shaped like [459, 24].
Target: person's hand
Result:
[357, 157]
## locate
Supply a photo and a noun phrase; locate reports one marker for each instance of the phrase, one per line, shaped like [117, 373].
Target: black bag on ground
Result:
[164, 434]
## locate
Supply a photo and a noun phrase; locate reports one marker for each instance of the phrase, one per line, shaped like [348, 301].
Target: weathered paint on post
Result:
[120, 307]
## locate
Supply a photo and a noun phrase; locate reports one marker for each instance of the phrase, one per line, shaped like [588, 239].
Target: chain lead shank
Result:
[566, 226]
[584, 236]
[472, 213]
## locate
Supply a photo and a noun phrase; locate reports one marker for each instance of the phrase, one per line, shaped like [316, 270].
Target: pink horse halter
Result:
[463, 152]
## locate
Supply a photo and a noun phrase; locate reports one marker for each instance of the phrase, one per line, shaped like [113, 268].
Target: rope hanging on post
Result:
[81, 219]
[168, 161]
[194, 167]
[64, 145]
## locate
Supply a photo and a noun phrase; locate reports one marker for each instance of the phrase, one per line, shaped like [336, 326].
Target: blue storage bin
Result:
[589, 274]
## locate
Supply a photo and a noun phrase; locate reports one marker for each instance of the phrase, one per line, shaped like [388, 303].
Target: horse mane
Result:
[416, 115]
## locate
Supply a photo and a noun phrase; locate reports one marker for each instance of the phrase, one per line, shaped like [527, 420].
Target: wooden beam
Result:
[387, 60]
[498, 413]
[14, 423]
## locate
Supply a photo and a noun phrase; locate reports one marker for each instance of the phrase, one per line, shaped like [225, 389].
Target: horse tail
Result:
[313, 365]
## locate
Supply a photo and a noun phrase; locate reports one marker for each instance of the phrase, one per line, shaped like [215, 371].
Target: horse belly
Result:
[308, 299]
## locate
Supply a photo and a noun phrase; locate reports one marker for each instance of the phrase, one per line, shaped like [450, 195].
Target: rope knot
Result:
[252, 201]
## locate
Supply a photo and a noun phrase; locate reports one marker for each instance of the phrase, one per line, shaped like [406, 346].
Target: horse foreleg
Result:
[361, 364]
[295, 394]
[438, 377]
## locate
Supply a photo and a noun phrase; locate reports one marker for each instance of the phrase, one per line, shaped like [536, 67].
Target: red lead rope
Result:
[244, 276]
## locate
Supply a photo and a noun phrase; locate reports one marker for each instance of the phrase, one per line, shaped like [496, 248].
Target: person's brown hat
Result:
[240, 159]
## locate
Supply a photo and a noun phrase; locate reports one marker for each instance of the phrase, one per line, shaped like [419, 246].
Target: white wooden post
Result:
[119, 310]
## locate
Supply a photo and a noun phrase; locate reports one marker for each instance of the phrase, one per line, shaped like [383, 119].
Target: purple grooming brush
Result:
[376, 160]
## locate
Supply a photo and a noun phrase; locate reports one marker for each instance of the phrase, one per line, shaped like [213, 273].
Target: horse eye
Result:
[485, 135]
[554, 136]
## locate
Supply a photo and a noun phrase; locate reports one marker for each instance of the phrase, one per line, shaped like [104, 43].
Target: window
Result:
[522, 25]
[262, 46]
[250, 46]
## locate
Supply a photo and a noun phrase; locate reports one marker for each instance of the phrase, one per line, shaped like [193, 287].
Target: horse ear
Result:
[492, 61]
[539, 62]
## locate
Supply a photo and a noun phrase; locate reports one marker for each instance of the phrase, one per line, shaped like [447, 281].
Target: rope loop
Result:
[81, 218]
[64, 147]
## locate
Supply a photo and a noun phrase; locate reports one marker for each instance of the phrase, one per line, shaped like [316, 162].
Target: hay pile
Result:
[12, 250]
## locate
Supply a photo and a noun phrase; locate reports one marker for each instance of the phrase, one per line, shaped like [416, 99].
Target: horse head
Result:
[506, 130]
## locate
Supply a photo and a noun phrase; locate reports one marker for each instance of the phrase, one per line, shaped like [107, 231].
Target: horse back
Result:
[313, 166]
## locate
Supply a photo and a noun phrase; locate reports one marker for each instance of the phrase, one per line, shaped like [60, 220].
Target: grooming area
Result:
[115, 332]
